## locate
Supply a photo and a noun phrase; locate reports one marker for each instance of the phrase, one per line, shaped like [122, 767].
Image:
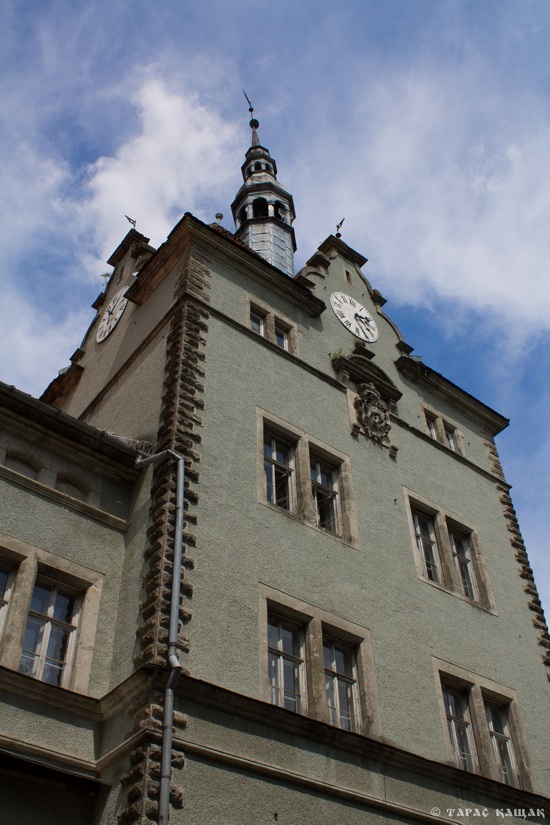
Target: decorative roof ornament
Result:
[338, 228]
[254, 124]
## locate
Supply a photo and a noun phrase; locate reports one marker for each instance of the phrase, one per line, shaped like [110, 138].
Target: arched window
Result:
[280, 211]
[242, 215]
[258, 167]
[259, 208]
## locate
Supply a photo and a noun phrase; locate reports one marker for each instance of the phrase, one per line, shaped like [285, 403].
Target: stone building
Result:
[258, 562]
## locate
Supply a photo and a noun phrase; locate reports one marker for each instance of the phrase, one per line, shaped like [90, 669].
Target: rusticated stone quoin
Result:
[179, 425]
[520, 553]
[142, 786]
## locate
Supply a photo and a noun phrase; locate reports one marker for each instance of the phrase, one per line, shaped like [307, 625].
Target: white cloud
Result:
[182, 154]
[448, 200]
[37, 347]
[62, 223]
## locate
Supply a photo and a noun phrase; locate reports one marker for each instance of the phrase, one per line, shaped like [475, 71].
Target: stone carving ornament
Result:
[372, 414]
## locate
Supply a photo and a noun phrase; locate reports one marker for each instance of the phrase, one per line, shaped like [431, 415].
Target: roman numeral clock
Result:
[354, 316]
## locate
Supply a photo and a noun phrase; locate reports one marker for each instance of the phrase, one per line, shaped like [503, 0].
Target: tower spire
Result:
[254, 123]
[263, 210]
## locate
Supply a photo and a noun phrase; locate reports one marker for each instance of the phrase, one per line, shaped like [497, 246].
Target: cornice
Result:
[238, 706]
[451, 394]
[64, 434]
[78, 704]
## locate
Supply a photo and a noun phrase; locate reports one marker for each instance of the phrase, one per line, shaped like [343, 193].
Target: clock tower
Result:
[263, 210]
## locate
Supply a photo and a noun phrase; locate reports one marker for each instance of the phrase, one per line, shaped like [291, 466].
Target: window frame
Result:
[506, 737]
[49, 623]
[31, 564]
[464, 563]
[482, 693]
[443, 431]
[272, 324]
[303, 500]
[256, 316]
[284, 333]
[282, 657]
[5, 598]
[284, 469]
[347, 680]
[316, 626]
[328, 493]
[456, 723]
[431, 423]
[447, 528]
[433, 550]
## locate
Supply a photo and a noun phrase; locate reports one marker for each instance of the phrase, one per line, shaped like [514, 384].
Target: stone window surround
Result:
[305, 445]
[316, 625]
[446, 522]
[272, 320]
[479, 691]
[27, 562]
[442, 425]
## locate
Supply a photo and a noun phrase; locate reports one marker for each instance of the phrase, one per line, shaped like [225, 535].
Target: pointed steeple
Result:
[263, 210]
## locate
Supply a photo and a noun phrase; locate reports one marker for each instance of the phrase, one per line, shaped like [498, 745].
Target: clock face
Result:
[112, 315]
[354, 316]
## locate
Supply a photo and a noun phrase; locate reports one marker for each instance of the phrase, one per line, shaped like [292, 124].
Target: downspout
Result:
[173, 660]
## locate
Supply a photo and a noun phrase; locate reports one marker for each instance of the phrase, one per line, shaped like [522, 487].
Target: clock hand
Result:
[362, 319]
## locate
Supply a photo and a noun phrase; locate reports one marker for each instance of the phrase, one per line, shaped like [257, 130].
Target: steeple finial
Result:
[254, 124]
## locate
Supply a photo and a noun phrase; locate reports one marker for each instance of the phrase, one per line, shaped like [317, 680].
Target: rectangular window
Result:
[458, 726]
[424, 531]
[463, 560]
[285, 663]
[501, 743]
[431, 425]
[447, 553]
[6, 580]
[324, 484]
[483, 726]
[340, 684]
[281, 337]
[449, 437]
[278, 468]
[305, 477]
[256, 323]
[50, 632]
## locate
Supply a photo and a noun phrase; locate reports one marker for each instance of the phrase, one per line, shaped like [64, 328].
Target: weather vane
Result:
[253, 122]
[131, 220]
[338, 227]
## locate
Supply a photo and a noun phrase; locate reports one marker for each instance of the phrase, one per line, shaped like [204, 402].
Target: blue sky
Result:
[425, 123]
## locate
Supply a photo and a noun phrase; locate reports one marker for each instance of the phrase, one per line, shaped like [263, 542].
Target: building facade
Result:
[258, 562]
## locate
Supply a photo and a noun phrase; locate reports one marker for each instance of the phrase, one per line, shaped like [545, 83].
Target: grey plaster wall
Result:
[241, 542]
[101, 361]
[81, 539]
